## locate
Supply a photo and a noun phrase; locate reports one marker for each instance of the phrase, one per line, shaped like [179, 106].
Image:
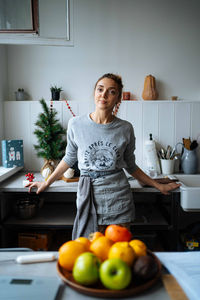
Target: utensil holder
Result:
[167, 166]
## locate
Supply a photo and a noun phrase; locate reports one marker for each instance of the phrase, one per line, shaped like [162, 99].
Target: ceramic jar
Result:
[189, 161]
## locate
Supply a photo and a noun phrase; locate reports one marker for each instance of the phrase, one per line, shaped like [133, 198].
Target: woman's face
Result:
[106, 94]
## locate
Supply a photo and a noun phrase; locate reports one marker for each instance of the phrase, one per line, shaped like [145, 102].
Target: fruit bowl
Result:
[100, 291]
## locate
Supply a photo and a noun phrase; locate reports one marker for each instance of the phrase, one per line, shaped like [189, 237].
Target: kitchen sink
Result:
[189, 191]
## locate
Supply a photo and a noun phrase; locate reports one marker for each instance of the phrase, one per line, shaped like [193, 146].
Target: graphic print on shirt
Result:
[101, 155]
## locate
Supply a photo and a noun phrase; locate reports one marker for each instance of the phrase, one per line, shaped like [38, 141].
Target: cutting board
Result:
[173, 288]
[73, 179]
[165, 180]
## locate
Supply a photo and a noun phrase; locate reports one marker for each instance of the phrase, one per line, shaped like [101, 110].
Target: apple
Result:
[86, 268]
[115, 274]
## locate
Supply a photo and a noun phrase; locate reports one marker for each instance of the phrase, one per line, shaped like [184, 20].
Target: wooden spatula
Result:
[187, 143]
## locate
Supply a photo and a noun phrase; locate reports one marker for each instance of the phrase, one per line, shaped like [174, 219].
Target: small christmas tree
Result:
[50, 134]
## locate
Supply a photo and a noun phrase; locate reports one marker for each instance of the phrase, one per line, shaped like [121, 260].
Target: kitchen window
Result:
[36, 22]
[19, 16]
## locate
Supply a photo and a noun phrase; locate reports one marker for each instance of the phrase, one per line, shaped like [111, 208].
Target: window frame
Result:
[35, 21]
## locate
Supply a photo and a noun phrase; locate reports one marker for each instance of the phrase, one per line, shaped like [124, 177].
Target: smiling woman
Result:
[104, 145]
[20, 16]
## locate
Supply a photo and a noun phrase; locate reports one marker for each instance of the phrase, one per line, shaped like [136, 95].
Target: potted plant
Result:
[20, 95]
[51, 139]
[55, 92]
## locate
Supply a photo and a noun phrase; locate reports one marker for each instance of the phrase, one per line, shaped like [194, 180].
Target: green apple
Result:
[115, 274]
[86, 268]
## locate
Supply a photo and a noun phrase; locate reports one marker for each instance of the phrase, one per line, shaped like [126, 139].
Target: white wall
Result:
[131, 37]
[3, 88]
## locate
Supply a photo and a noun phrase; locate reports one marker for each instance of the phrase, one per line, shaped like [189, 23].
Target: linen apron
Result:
[103, 198]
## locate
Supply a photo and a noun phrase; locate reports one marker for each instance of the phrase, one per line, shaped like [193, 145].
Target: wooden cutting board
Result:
[74, 179]
[173, 288]
[165, 180]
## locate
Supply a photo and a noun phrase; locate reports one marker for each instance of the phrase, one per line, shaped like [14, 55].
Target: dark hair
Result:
[116, 78]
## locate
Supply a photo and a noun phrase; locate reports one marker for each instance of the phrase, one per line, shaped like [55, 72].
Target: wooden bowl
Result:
[100, 291]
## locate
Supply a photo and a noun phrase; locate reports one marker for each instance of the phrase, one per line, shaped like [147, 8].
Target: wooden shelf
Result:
[51, 215]
[62, 215]
[150, 218]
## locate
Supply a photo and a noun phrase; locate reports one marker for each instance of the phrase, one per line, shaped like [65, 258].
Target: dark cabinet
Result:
[155, 219]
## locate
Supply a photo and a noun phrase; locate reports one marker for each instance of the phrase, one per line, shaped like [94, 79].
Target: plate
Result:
[101, 292]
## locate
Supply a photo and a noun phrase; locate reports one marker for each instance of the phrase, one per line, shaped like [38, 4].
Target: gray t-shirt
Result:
[100, 147]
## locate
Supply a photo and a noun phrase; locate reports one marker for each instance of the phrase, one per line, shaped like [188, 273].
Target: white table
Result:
[48, 269]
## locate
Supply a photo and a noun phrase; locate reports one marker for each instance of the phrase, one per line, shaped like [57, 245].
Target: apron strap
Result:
[86, 216]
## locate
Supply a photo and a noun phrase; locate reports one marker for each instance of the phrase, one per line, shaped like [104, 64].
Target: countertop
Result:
[48, 269]
[15, 184]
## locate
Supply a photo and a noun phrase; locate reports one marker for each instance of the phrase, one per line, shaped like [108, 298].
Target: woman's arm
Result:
[163, 188]
[57, 173]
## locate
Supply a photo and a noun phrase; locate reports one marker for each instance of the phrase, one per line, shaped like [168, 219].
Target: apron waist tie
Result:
[96, 174]
[86, 217]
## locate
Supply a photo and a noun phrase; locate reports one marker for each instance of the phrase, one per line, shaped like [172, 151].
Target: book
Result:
[12, 153]
[184, 266]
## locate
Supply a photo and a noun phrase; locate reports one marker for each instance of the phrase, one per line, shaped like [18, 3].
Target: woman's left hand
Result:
[162, 187]
[166, 188]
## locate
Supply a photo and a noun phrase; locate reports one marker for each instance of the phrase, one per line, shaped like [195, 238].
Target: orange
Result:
[85, 241]
[123, 251]
[117, 233]
[139, 247]
[94, 235]
[68, 253]
[100, 247]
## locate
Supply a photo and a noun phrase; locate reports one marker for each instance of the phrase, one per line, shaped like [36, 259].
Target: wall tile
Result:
[150, 120]
[195, 121]
[17, 125]
[122, 110]
[149, 124]
[168, 122]
[134, 116]
[195, 126]
[182, 121]
[35, 162]
[66, 114]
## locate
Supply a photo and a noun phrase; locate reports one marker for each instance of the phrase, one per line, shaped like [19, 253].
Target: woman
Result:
[103, 145]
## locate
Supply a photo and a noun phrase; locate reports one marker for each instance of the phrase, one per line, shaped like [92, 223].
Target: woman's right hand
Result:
[41, 186]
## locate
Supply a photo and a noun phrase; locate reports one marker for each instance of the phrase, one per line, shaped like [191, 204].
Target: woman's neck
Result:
[101, 117]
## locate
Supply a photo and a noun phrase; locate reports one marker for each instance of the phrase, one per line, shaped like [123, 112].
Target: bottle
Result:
[152, 162]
